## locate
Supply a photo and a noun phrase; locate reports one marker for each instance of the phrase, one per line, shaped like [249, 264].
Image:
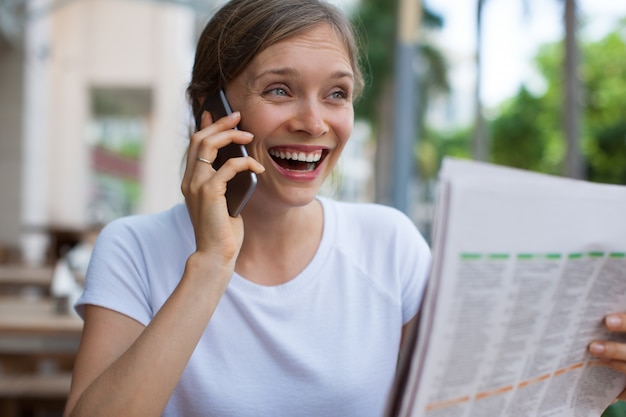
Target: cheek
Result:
[258, 120]
[261, 125]
[343, 123]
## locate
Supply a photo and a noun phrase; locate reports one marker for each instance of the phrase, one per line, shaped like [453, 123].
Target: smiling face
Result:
[296, 98]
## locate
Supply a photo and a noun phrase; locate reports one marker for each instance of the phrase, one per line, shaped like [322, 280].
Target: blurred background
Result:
[94, 120]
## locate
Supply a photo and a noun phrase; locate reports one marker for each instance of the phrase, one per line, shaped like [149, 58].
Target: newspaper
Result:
[525, 267]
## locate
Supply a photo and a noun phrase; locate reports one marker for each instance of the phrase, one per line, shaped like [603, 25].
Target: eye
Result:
[340, 95]
[277, 91]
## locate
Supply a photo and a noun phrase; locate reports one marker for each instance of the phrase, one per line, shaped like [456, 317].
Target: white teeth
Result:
[298, 156]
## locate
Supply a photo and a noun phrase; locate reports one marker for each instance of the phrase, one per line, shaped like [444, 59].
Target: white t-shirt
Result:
[323, 344]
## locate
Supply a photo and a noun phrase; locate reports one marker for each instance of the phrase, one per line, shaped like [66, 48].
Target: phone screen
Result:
[241, 187]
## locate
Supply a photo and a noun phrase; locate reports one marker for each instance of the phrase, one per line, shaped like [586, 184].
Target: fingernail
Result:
[613, 321]
[234, 115]
[248, 134]
[596, 348]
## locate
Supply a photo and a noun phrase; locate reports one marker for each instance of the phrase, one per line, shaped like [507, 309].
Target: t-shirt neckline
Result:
[306, 276]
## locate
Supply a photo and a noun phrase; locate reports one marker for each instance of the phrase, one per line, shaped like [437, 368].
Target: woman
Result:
[294, 308]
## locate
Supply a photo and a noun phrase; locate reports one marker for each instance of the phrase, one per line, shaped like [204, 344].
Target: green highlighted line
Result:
[470, 256]
[492, 256]
[549, 256]
[528, 256]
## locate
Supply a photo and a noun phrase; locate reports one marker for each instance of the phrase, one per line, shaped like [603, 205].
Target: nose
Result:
[310, 118]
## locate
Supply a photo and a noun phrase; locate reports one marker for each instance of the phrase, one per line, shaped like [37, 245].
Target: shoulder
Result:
[136, 261]
[151, 236]
[382, 223]
[385, 245]
[145, 226]
[376, 235]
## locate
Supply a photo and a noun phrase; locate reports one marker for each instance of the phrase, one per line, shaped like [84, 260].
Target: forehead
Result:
[321, 41]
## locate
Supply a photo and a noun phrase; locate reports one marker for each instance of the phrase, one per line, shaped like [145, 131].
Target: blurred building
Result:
[94, 120]
[454, 109]
[11, 102]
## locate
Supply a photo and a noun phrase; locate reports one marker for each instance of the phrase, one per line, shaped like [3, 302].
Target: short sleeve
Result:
[117, 276]
[415, 269]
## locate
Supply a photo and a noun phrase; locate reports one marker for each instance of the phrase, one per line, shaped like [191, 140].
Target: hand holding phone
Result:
[240, 188]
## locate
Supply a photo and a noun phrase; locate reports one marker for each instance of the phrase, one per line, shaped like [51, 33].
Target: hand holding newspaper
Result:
[525, 267]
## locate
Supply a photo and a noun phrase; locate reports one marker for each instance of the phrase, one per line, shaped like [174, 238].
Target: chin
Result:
[284, 197]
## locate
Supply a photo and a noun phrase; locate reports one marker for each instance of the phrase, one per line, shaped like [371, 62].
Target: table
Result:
[14, 278]
[37, 350]
[33, 325]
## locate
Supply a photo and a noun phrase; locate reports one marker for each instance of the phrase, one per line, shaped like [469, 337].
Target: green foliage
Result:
[377, 23]
[433, 145]
[527, 133]
[523, 135]
[606, 154]
[604, 75]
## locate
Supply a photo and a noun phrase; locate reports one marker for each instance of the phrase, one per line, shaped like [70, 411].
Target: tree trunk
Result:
[479, 141]
[571, 94]
[383, 187]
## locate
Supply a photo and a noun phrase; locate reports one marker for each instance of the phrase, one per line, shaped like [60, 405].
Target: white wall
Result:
[11, 102]
[117, 43]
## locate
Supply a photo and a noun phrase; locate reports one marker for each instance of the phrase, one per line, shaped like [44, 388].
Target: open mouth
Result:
[298, 160]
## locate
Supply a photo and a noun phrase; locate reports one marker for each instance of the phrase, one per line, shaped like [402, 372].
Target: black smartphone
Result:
[241, 187]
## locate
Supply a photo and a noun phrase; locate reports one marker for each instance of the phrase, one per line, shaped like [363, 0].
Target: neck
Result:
[278, 245]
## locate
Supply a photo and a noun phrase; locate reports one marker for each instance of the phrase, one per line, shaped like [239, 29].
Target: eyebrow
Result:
[286, 71]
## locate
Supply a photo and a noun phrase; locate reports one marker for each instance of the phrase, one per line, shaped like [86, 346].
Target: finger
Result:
[201, 169]
[209, 130]
[206, 161]
[192, 150]
[227, 172]
[205, 119]
[211, 188]
[210, 192]
[206, 142]
[226, 122]
[616, 322]
[608, 350]
[208, 147]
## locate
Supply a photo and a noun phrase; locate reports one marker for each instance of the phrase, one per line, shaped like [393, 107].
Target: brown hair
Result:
[241, 29]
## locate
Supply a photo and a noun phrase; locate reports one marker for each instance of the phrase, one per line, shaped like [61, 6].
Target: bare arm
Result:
[408, 330]
[125, 369]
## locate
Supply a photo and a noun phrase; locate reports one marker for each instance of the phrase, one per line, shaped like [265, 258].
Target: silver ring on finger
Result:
[206, 161]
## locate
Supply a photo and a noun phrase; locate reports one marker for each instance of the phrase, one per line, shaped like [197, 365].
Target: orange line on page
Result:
[533, 380]
[502, 390]
[569, 368]
[446, 403]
